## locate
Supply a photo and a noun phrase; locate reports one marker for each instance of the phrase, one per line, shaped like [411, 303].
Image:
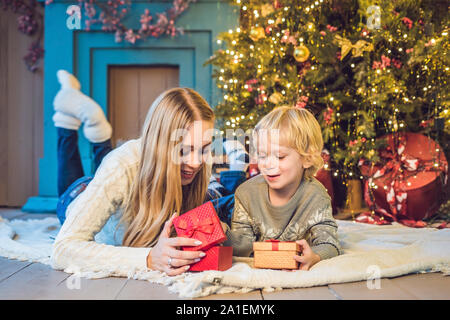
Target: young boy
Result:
[286, 202]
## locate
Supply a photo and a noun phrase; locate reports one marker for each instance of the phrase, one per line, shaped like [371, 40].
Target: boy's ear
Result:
[307, 163]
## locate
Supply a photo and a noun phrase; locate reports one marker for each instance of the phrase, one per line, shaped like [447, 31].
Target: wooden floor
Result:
[25, 280]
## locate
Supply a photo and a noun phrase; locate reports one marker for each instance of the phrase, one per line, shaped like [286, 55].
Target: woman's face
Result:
[195, 150]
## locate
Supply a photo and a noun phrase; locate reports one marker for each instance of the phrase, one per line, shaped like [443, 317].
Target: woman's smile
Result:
[188, 174]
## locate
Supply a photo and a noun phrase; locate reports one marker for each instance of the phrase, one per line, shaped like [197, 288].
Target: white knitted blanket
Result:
[369, 252]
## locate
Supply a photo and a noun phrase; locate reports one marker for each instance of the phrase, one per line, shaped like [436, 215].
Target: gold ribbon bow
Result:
[357, 49]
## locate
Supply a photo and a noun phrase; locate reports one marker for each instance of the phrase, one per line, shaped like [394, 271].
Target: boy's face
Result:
[281, 166]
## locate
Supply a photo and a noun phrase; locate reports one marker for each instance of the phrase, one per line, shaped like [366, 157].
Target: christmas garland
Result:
[109, 15]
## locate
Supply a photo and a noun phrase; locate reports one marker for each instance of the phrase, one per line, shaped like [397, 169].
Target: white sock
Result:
[65, 121]
[67, 80]
[236, 154]
[71, 101]
[97, 131]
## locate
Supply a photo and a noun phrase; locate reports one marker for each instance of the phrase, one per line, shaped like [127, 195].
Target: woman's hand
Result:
[165, 251]
[308, 257]
[224, 226]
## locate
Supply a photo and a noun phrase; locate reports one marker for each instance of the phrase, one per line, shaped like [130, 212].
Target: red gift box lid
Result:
[201, 223]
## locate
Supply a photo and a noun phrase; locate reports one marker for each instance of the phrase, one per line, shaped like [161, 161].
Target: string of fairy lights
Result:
[360, 123]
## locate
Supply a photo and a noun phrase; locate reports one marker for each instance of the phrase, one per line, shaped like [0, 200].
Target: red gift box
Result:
[408, 185]
[201, 223]
[217, 258]
[324, 177]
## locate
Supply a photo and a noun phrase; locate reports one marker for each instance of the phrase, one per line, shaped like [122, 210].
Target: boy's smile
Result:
[272, 177]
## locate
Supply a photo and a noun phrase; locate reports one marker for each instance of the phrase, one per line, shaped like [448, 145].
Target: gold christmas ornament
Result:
[279, 20]
[245, 94]
[257, 33]
[266, 9]
[276, 98]
[277, 77]
[301, 53]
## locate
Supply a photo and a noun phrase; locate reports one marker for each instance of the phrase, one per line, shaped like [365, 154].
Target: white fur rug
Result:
[370, 251]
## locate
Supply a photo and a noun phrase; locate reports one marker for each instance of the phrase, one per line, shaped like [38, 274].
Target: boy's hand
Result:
[307, 258]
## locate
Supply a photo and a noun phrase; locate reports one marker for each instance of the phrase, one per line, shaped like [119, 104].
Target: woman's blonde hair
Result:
[297, 129]
[157, 191]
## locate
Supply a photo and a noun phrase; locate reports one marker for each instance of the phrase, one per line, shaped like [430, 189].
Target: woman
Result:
[137, 190]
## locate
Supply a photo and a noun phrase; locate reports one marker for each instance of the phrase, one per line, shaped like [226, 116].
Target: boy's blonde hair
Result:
[298, 129]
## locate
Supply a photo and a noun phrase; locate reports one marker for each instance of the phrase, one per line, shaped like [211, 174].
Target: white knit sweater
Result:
[88, 240]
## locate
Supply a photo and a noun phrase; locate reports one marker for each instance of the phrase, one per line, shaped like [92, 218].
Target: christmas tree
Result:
[364, 68]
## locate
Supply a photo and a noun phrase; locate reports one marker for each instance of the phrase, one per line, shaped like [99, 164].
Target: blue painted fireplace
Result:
[89, 54]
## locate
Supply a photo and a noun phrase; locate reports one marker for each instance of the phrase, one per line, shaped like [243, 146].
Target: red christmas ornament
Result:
[408, 22]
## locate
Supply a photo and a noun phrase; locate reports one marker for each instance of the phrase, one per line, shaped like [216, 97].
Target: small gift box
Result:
[217, 258]
[201, 223]
[275, 254]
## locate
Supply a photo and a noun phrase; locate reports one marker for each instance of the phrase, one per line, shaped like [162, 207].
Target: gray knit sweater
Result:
[307, 215]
